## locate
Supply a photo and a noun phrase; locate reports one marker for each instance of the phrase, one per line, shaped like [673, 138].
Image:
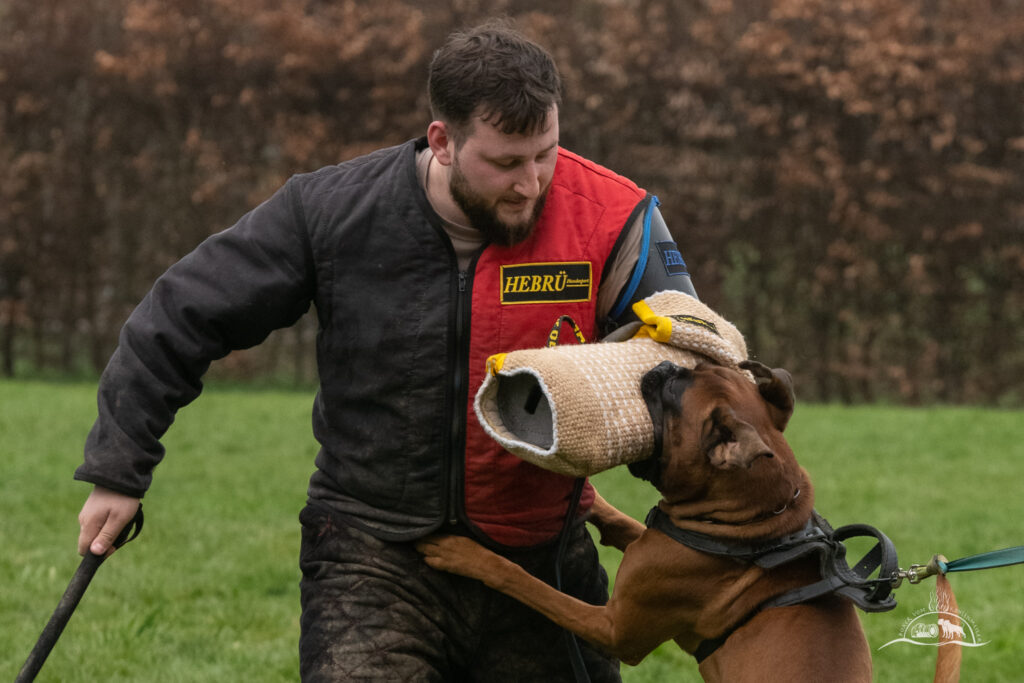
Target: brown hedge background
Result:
[845, 179]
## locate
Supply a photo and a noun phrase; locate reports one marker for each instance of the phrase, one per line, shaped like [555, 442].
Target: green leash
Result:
[940, 565]
[996, 558]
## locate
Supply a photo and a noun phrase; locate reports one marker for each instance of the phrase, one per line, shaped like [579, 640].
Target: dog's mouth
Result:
[660, 386]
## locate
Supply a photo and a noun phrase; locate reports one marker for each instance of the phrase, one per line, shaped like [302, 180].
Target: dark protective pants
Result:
[373, 610]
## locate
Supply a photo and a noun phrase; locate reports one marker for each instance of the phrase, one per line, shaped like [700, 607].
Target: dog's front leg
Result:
[617, 529]
[461, 555]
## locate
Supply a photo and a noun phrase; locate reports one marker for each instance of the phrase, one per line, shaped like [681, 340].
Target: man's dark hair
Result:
[496, 72]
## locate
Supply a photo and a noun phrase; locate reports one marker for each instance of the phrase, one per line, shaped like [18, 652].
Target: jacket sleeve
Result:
[655, 265]
[229, 293]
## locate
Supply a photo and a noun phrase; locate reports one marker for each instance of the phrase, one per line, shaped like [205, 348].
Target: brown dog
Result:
[725, 470]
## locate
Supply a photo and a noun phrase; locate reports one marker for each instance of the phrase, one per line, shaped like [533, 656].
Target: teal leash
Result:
[940, 565]
[996, 558]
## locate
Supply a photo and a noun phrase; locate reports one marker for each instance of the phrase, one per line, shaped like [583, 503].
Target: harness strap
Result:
[767, 554]
[816, 536]
[870, 595]
[706, 648]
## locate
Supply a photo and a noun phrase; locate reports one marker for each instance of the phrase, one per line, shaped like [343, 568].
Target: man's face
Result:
[500, 181]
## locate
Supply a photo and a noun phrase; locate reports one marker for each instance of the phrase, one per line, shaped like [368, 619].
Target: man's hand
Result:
[103, 515]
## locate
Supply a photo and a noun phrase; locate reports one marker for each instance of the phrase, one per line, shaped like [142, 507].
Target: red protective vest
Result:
[518, 295]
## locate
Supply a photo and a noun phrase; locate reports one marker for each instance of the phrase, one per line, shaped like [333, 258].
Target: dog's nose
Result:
[655, 379]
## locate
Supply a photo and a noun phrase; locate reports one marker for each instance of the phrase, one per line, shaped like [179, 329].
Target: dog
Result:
[724, 471]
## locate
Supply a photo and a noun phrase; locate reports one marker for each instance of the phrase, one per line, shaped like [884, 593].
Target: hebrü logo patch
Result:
[939, 625]
[535, 283]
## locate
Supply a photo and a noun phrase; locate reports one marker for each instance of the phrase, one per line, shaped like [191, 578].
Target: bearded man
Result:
[422, 260]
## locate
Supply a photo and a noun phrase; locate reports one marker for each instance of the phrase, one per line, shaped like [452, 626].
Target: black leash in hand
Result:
[579, 668]
[66, 607]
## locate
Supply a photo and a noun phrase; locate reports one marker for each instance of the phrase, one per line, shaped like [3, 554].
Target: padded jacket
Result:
[361, 242]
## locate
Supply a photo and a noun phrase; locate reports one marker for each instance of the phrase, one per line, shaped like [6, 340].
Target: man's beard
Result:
[484, 217]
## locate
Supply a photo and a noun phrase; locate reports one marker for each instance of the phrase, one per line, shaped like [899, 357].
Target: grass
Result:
[209, 592]
[935, 480]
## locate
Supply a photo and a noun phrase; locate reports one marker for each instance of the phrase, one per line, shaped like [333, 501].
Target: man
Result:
[422, 260]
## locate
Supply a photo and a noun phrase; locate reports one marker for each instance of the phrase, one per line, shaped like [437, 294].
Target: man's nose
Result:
[528, 182]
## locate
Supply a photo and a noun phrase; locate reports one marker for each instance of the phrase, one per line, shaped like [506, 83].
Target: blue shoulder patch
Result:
[671, 258]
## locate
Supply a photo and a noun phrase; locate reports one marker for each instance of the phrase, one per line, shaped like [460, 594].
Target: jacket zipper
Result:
[460, 381]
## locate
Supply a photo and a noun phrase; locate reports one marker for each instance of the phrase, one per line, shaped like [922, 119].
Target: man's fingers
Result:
[103, 544]
[90, 528]
[98, 534]
[103, 516]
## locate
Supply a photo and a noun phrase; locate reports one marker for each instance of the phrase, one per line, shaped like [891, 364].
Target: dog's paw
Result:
[455, 554]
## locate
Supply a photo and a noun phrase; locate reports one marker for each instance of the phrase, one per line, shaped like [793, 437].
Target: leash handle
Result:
[131, 530]
[72, 596]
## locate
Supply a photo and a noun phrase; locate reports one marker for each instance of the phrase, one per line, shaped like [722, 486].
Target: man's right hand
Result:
[103, 516]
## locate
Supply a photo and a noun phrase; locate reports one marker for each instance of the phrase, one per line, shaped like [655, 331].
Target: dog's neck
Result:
[769, 517]
[743, 585]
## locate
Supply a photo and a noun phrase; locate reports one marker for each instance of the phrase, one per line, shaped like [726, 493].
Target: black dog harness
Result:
[816, 537]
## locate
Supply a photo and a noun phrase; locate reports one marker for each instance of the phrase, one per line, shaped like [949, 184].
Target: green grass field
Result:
[209, 591]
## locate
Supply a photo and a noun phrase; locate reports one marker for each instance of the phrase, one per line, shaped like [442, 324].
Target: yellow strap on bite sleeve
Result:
[657, 327]
[495, 362]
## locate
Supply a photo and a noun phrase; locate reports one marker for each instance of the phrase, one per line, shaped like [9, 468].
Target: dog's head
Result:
[719, 442]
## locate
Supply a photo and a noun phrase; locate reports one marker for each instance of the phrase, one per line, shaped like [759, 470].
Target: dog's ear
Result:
[731, 443]
[662, 388]
[776, 387]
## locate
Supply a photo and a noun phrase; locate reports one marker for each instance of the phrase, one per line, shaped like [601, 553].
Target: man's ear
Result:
[776, 387]
[441, 142]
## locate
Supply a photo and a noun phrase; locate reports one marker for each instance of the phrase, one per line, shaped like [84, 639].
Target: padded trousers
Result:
[373, 610]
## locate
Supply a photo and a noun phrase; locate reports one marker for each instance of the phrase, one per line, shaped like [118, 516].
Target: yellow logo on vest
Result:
[543, 283]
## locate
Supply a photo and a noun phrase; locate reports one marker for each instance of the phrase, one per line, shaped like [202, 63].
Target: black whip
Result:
[76, 588]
